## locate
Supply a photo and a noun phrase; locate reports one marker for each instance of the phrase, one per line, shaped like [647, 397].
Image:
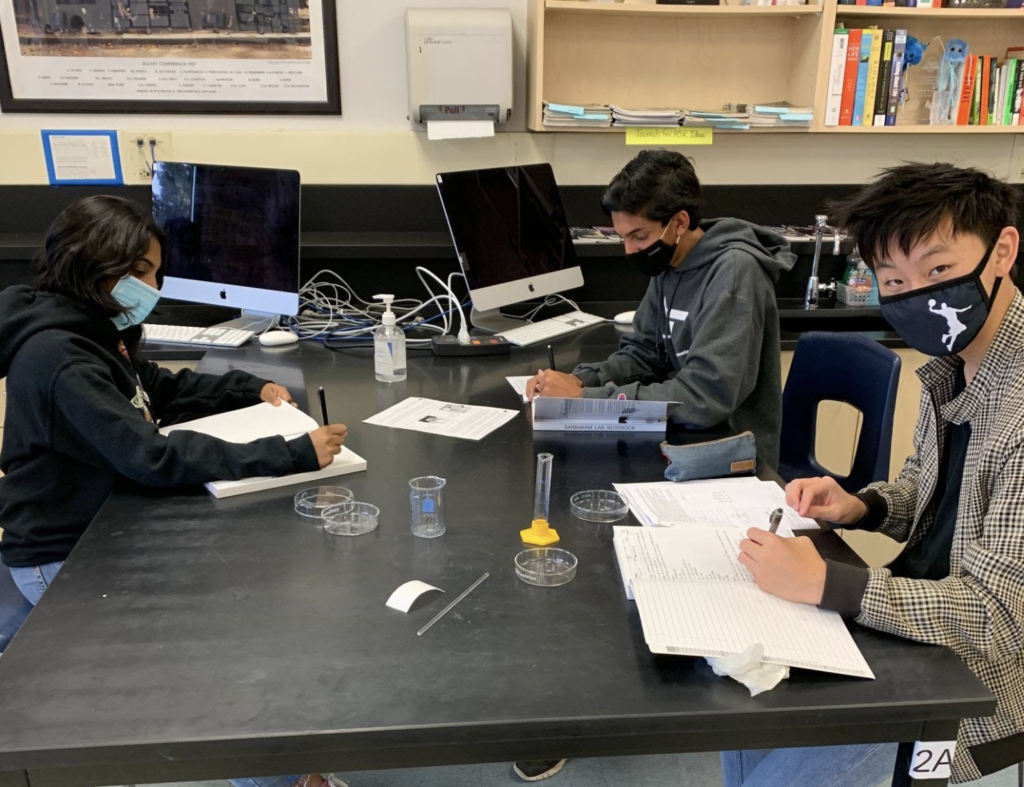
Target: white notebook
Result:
[696, 599]
[266, 420]
[553, 414]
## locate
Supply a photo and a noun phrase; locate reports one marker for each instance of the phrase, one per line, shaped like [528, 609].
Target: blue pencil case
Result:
[725, 458]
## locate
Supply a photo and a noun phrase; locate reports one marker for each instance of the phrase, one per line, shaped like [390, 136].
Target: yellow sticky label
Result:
[669, 136]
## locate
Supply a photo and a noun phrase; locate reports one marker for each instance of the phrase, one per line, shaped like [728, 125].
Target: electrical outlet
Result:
[137, 153]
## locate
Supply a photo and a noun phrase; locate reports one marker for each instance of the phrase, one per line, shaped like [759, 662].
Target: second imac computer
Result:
[232, 236]
[512, 239]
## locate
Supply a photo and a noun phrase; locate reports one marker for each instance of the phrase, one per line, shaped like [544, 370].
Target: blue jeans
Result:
[865, 765]
[33, 582]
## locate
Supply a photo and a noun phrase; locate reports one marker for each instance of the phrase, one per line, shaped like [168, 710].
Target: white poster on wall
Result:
[171, 55]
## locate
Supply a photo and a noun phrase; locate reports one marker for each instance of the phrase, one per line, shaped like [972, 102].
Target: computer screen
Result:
[510, 232]
[232, 235]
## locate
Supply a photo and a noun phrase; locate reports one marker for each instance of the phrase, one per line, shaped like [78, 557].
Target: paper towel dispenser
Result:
[460, 64]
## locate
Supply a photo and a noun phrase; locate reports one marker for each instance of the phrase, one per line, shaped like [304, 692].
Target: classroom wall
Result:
[373, 142]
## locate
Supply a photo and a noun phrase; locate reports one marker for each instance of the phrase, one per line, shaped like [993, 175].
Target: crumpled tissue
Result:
[749, 669]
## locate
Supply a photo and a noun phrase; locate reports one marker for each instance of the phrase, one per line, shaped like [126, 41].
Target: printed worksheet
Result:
[696, 599]
[447, 419]
[519, 385]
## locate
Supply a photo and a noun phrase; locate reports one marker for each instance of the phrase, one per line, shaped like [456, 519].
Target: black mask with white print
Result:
[946, 317]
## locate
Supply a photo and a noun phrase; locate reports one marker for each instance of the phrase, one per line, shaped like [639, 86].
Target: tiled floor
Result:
[663, 770]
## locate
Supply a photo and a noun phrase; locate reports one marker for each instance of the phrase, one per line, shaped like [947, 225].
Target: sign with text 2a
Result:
[932, 759]
[668, 136]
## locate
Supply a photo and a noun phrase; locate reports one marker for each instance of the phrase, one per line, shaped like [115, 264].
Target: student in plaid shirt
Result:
[942, 242]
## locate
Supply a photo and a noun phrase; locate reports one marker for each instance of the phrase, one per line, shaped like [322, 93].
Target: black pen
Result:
[774, 520]
[323, 405]
[551, 358]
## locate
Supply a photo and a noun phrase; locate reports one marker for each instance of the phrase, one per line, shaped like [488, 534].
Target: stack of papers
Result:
[646, 118]
[265, 420]
[736, 121]
[722, 502]
[447, 419]
[775, 114]
[571, 116]
[696, 599]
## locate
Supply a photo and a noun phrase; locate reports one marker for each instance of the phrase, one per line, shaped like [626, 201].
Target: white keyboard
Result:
[534, 332]
[186, 334]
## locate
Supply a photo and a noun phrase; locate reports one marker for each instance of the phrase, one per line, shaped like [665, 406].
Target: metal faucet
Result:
[814, 289]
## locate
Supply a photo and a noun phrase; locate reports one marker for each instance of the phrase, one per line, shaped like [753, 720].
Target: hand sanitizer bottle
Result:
[388, 345]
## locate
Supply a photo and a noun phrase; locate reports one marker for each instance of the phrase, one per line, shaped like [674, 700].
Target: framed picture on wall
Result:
[169, 56]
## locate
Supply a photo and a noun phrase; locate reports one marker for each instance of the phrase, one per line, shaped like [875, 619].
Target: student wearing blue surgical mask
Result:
[706, 333]
[943, 242]
[83, 406]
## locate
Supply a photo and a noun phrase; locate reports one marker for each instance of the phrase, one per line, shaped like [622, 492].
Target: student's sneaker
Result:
[334, 781]
[537, 770]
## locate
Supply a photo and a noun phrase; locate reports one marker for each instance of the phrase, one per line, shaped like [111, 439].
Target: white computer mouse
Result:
[277, 338]
[624, 318]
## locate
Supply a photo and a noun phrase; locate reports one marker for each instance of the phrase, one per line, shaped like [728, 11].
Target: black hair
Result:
[909, 203]
[655, 185]
[92, 241]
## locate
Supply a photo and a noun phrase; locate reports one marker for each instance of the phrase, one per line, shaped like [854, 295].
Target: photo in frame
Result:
[169, 56]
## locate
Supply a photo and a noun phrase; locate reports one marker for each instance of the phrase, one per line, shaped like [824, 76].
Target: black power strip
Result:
[478, 345]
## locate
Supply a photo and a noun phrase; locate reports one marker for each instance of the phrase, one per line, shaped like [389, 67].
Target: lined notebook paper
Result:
[265, 420]
[696, 599]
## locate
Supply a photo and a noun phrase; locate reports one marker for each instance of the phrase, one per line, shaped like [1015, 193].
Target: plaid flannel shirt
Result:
[978, 611]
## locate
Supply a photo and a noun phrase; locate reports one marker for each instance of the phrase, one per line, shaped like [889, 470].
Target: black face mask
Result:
[656, 258]
[944, 318]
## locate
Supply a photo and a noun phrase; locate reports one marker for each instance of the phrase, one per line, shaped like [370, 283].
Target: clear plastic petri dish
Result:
[314, 501]
[546, 566]
[351, 519]
[598, 505]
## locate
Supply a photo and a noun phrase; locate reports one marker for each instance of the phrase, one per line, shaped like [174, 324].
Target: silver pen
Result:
[774, 520]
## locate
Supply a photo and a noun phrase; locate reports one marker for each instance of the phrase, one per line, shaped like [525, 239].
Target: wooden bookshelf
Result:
[640, 54]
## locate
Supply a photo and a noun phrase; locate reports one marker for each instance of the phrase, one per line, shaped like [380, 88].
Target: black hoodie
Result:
[76, 422]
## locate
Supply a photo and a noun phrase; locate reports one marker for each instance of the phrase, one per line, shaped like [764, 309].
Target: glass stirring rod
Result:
[444, 611]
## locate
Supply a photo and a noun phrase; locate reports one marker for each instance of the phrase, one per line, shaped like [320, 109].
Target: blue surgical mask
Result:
[138, 299]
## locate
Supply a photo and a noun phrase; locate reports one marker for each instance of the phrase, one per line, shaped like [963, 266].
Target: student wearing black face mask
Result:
[942, 242]
[706, 333]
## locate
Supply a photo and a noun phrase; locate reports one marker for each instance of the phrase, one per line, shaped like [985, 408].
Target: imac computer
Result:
[511, 236]
[232, 236]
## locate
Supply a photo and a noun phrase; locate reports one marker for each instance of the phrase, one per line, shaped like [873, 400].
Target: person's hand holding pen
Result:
[551, 383]
[789, 568]
[328, 439]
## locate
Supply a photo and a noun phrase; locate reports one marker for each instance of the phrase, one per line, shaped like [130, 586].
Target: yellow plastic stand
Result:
[540, 534]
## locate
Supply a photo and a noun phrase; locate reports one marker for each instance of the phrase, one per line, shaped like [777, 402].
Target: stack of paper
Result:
[723, 502]
[553, 414]
[696, 599]
[735, 121]
[646, 118]
[775, 114]
[265, 420]
[571, 116]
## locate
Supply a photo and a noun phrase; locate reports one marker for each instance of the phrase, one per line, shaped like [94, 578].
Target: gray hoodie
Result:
[706, 334]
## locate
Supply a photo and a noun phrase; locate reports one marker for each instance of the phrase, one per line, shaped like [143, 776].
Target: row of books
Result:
[865, 76]
[969, 5]
[737, 117]
[991, 92]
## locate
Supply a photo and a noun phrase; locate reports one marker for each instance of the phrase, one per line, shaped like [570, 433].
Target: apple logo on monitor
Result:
[223, 295]
[530, 285]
